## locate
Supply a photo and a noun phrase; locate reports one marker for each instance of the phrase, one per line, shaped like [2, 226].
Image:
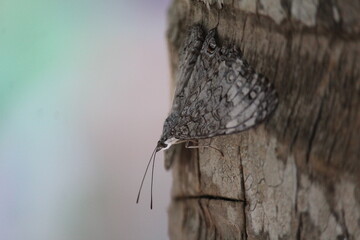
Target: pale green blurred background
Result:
[84, 90]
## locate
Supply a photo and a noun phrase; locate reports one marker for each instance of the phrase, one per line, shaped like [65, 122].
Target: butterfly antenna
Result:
[142, 181]
[152, 181]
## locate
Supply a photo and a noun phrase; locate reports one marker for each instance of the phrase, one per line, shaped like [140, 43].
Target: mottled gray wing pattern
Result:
[223, 95]
[188, 55]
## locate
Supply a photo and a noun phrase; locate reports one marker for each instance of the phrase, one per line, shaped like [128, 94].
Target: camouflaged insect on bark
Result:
[217, 92]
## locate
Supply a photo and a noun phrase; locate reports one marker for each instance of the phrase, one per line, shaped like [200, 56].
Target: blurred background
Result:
[84, 91]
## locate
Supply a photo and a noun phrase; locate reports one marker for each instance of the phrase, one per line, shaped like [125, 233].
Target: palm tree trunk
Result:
[298, 175]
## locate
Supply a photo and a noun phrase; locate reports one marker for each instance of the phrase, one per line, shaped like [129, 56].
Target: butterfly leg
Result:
[198, 146]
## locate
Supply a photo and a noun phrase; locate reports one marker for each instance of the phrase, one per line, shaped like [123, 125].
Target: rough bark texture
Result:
[298, 175]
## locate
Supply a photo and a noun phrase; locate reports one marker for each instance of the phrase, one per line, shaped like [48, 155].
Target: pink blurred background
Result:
[85, 90]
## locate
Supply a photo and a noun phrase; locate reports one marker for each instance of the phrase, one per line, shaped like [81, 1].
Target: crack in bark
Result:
[300, 226]
[346, 234]
[203, 217]
[292, 109]
[244, 195]
[205, 196]
[243, 32]
[198, 167]
[294, 106]
[293, 141]
[332, 146]
[313, 131]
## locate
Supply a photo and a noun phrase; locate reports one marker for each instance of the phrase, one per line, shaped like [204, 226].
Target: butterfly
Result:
[217, 93]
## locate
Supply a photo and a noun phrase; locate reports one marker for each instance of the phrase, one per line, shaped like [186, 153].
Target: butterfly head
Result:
[161, 145]
[168, 134]
[165, 143]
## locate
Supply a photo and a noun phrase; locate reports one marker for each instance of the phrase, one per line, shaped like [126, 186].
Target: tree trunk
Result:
[297, 176]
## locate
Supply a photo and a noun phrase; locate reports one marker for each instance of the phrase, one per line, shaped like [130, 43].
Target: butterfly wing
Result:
[223, 95]
[189, 54]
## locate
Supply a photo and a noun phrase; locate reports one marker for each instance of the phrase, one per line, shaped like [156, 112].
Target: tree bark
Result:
[297, 176]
